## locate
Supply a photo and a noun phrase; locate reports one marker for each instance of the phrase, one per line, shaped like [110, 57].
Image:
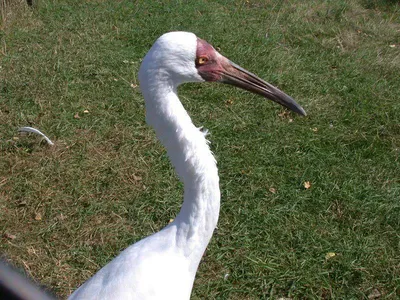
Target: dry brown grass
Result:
[11, 11]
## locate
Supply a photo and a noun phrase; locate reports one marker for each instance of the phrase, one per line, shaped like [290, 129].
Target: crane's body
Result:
[164, 265]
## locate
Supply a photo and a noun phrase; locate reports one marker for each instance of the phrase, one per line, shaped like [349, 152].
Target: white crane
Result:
[164, 265]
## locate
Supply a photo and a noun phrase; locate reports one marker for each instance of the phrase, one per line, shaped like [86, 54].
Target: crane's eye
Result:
[202, 60]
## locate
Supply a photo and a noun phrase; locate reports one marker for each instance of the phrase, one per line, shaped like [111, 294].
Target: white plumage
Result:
[164, 265]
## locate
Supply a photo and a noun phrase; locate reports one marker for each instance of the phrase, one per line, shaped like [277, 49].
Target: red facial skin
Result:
[213, 66]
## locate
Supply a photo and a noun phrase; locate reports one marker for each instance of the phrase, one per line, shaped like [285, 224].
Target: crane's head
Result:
[179, 57]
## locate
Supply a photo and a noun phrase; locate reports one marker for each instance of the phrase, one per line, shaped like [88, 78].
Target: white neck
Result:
[194, 163]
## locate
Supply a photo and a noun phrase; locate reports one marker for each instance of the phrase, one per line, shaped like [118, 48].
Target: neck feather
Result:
[194, 163]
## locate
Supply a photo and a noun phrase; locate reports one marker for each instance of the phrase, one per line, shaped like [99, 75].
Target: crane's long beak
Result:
[236, 75]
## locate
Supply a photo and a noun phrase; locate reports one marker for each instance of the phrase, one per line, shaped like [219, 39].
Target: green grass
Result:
[108, 183]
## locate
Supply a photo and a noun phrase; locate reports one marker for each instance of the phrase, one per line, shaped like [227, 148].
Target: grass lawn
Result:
[67, 210]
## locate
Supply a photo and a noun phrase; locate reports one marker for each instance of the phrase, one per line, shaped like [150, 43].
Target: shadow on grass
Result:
[380, 4]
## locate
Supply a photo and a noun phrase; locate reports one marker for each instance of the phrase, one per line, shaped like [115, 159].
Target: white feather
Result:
[36, 131]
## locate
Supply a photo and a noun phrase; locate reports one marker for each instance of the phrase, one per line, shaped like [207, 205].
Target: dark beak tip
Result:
[301, 112]
[292, 105]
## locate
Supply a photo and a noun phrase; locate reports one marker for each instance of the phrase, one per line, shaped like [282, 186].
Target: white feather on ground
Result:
[36, 131]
